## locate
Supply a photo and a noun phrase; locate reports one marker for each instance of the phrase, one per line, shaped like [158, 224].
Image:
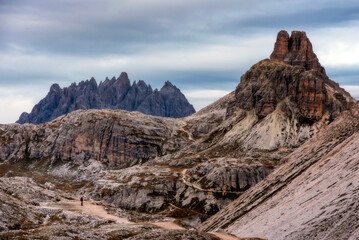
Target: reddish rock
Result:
[293, 78]
[296, 50]
[281, 46]
[270, 82]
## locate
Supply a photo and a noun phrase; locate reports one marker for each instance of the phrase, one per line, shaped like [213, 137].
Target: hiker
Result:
[82, 200]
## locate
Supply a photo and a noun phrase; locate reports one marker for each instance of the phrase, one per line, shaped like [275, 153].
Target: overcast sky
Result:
[201, 46]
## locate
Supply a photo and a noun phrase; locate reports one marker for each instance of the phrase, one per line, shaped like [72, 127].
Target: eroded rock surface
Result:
[296, 50]
[307, 95]
[191, 168]
[30, 210]
[314, 195]
[113, 138]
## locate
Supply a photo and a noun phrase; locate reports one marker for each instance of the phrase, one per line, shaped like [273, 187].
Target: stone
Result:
[259, 144]
[294, 77]
[296, 50]
[115, 138]
[313, 195]
[113, 94]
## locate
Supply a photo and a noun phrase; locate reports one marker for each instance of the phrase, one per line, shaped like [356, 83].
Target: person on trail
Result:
[82, 200]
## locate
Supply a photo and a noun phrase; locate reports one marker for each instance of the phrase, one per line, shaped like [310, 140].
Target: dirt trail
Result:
[92, 208]
[224, 236]
[168, 225]
[89, 207]
[185, 181]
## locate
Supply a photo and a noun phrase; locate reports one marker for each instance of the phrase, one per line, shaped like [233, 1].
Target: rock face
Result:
[115, 138]
[296, 50]
[196, 165]
[314, 195]
[304, 94]
[294, 79]
[292, 86]
[112, 94]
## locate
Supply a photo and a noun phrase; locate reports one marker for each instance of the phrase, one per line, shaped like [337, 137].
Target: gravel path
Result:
[95, 209]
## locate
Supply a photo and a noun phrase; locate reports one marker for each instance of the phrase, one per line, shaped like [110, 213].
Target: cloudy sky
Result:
[202, 46]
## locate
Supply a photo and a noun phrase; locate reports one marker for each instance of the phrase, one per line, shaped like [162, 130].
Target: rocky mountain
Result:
[110, 94]
[293, 78]
[296, 50]
[193, 167]
[313, 195]
[115, 138]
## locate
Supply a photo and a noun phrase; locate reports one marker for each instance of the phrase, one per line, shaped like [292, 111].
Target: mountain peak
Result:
[114, 94]
[93, 82]
[292, 81]
[168, 84]
[55, 88]
[168, 87]
[123, 77]
[296, 50]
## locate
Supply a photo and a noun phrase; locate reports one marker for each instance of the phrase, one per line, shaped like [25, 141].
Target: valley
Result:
[274, 159]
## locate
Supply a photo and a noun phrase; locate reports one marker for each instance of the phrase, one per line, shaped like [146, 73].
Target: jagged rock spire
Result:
[296, 50]
[305, 93]
[113, 94]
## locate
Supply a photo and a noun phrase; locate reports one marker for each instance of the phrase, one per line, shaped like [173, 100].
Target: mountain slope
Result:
[201, 162]
[194, 166]
[115, 138]
[290, 92]
[314, 195]
[110, 94]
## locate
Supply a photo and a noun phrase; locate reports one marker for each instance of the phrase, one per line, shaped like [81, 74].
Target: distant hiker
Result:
[224, 191]
[82, 200]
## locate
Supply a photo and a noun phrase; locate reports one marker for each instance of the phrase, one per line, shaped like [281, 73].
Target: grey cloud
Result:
[93, 27]
[345, 76]
[70, 37]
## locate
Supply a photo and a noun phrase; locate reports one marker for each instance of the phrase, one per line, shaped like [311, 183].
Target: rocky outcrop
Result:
[218, 176]
[296, 50]
[154, 188]
[115, 138]
[112, 94]
[317, 182]
[32, 210]
[294, 79]
[196, 165]
[302, 94]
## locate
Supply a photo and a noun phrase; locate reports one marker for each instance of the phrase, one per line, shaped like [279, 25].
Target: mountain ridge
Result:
[113, 94]
[283, 117]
